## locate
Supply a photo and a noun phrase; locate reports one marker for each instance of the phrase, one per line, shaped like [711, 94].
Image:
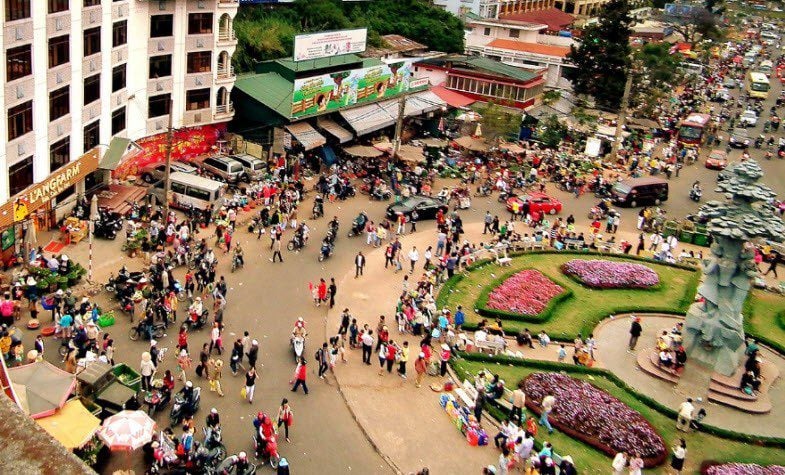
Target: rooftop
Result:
[534, 48]
[394, 44]
[271, 89]
[553, 17]
[481, 65]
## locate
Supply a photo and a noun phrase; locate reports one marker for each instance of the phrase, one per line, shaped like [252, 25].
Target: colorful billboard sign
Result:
[330, 92]
[329, 43]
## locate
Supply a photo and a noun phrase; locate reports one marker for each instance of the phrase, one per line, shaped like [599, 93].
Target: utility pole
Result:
[168, 171]
[625, 101]
[399, 125]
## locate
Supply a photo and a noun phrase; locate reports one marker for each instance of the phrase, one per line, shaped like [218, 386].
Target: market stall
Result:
[73, 230]
[42, 387]
[363, 151]
[73, 425]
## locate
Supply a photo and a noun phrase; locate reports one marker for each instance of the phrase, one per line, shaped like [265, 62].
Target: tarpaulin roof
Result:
[42, 387]
[454, 99]
[334, 129]
[367, 119]
[73, 425]
[308, 137]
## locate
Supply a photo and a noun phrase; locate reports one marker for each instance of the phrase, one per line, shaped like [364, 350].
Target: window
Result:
[92, 89]
[198, 193]
[58, 5]
[120, 33]
[200, 23]
[487, 32]
[515, 33]
[92, 41]
[20, 120]
[91, 133]
[161, 26]
[19, 62]
[58, 102]
[91, 3]
[59, 154]
[199, 62]
[197, 99]
[118, 77]
[20, 175]
[158, 105]
[160, 66]
[17, 10]
[118, 120]
[58, 51]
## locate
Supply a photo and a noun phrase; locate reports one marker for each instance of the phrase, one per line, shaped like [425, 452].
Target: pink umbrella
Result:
[127, 430]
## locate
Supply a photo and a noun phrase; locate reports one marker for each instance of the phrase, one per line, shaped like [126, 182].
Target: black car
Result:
[426, 206]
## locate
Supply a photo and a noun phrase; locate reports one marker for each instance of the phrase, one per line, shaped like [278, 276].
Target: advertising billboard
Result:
[329, 43]
[329, 92]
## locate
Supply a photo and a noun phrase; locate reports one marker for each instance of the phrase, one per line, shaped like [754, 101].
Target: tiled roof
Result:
[553, 17]
[455, 99]
[535, 48]
[480, 64]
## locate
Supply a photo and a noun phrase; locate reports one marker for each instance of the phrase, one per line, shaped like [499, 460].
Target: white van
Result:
[190, 190]
[769, 35]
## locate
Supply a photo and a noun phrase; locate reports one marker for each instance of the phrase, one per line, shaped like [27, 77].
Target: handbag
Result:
[243, 392]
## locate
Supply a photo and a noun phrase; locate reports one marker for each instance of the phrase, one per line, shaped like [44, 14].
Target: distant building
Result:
[494, 9]
[482, 79]
[396, 46]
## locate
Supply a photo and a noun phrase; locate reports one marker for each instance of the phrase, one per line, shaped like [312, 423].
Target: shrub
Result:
[603, 274]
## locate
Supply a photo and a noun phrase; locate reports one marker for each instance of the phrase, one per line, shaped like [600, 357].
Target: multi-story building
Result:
[79, 72]
[494, 9]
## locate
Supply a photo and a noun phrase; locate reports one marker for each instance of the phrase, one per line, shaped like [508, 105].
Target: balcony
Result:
[226, 37]
[225, 75]
[224, 112]
[228, 3]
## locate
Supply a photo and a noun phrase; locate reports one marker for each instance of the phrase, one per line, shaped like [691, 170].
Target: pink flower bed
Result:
[527, 293]
[744, 469]
[595, 417]
[610, 274]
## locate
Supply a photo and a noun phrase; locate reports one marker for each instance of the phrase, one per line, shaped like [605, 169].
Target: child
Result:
[400, 317]
[562, 353]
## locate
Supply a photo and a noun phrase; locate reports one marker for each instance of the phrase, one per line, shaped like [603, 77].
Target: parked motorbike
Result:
[195, 322]
[180, 407]
[107, 227]
[358, 225]
[298, 347]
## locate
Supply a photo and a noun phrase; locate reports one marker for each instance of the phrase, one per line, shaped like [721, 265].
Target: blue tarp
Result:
[329, 155]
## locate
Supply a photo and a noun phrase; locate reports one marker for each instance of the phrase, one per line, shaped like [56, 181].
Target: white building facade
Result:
[79, 72]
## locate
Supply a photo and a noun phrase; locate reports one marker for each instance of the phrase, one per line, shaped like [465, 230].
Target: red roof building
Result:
[533, 48]
[556, 19]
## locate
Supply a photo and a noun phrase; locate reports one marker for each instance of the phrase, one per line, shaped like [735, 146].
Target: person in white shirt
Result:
[480, 335]
[686, 410]
[414, 256]
[619, 463]
[506, 432]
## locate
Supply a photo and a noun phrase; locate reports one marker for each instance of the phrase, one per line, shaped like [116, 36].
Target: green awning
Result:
[117, 148]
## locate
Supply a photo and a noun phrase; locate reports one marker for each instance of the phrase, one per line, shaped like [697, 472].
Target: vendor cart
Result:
[98, 383]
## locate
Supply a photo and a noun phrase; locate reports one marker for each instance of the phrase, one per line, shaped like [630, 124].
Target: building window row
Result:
[158, 105]
[92, 133]
[59, 102]
[200, 23]
[59, 154]
[161, 26]
[56, 6]
[17, 9]
[196, 99]
[118, 77]
[119, 33]
[59, 51]
[20, 120]
[160, 66]
[118, 121]
[19, 62]
[20, 175]
[92, 41]
[199, 62]
[92, 89]
[501, 91]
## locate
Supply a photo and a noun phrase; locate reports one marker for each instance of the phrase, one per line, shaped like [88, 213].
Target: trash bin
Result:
[700, 239]
[671, 228]
[686, 235]
[127, 376]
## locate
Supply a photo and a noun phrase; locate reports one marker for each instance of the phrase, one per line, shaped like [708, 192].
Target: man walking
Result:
[367, 342]
[321, 358]
[299, 375]
[414, 256]
[359, 264]
[332, 289]
[253, 353]
[684, 418]
[277, 248]
[635, 332]
[487, 222]
[547, 406]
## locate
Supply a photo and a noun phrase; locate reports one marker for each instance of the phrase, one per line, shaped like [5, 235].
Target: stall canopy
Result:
[42, 387]
[367, 119]
[114, 154]
[334, 129]
[422, 103]
[363, 151]
[308, 137]
[452, 98]
[471, 143]
[410, 153]
[73, 425]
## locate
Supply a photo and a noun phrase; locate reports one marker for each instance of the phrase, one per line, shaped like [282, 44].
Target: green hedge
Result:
[779, 319]
[659, 407]
[481, 306]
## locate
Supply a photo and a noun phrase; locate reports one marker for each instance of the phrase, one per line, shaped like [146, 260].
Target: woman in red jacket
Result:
[299, 375]
[322, 291]
[392, 351]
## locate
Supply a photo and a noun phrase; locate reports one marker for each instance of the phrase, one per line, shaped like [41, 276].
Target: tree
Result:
[654, 71]
[551, 131]
[694, 24]
[602, 58]
[498, 122]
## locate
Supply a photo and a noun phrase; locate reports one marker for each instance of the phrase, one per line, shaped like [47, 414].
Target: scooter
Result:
[180, 409]
[318, 210]
[326, 251]
[267, 450]
[197, 323]
[237, 263]
[107, 228]
[140, 330]
[695, 194]
[298, 347]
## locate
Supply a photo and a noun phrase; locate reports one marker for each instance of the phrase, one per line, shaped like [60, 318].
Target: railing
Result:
[226, 34]
[224, 109]
[225, 73]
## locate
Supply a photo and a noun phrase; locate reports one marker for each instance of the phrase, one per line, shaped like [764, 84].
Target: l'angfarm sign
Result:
[54, 185]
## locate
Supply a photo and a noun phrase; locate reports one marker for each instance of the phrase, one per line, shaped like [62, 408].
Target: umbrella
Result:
[470, 116]
[478, 130]
[127, 430]
[383, 146]
[363, 151]
[471, 143]
[432, 142]
[73, 425]
[43, 387]
[410, 153]
[511, 147]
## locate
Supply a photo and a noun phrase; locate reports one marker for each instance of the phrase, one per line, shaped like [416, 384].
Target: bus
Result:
[758, 86]
[692, 130]
[189, 190]
[766, 67]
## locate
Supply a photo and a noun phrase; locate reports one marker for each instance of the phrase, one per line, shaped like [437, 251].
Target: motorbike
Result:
[357, 227]
[326, 251]
[140, 330]
[296, 243]
[504, 196]
[106, 227]
[179, 291]
[330, 237]
[212, 442]
[195, 322]
[381, 194]
[180, 409]
[156, 400]
[298, 347]
[122, 278]
[227, 467]
[267, 450]
[236, 263]
[318, 210]
[695, 194]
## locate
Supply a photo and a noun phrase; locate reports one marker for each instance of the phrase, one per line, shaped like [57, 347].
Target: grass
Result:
[701, 446]
[584, 307]
[764, 317]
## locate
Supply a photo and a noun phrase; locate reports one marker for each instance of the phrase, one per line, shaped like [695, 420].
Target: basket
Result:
[106, 320]
[127, 376]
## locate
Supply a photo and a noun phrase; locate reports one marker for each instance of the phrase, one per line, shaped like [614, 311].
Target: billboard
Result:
[330, 92]
[680, 10]
[329, 43]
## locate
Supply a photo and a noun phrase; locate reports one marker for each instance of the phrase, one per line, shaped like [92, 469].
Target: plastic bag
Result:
[243, 392]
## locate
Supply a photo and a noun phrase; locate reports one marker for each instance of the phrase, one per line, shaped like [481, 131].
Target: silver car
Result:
[156, 171]
[222, 169]
[254, 168]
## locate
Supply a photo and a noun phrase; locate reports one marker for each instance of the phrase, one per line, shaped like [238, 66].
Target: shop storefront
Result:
[34, 209]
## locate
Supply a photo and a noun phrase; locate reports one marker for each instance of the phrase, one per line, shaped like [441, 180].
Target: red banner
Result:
[188, 144]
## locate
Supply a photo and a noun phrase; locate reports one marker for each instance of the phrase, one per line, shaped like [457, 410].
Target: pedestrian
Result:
[684, 417]
[518, 403]
[444, 358]
[413, 220]
[487, 221]
[479, 402]
[641, 244]
[285, 417]
[253, 353]
[547, 406]
[636, 464]
[321, 292]
[403, 358]
[388, 255]
[250, 384]
[359, 264]
[774, 259]
[215, 338]
[414, 256]
[236, 357]
[299, 375]
[321, 358]
[346, 318]
[420, 367]
[635, 332]
[382, 348]
[367, 342]
[147, 370]
[392, 355]
[332, 290]
[183, 363]
[619, 463]
[678, 456]
[216, 367]
[277, 249]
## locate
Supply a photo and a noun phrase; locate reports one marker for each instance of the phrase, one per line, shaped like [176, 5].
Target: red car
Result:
[539, 202]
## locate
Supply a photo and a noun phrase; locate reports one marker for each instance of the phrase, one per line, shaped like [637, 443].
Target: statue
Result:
[714, 330]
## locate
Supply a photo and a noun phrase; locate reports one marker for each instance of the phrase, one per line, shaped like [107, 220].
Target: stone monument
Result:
[714, 330]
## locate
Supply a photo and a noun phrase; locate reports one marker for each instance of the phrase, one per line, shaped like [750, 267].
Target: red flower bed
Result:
[593, 416]
[527, 293]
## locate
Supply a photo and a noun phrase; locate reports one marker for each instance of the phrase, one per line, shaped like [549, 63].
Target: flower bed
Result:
[526, 293]
[603, 274]
[743, 469]
[593, 416]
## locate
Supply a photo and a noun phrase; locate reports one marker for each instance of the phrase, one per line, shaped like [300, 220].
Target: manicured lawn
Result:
[764, 315]
[701, 446]
[581, 312]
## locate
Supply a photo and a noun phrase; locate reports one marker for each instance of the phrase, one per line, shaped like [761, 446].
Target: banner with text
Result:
[330, 92]
[329, 43]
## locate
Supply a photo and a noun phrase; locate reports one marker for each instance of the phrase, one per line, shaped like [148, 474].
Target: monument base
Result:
[694, 381]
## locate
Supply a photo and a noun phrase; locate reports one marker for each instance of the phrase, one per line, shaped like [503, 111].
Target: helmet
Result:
[189, 384]
[300, 319]
[259, 415]
[213, 411]
[242, 456]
